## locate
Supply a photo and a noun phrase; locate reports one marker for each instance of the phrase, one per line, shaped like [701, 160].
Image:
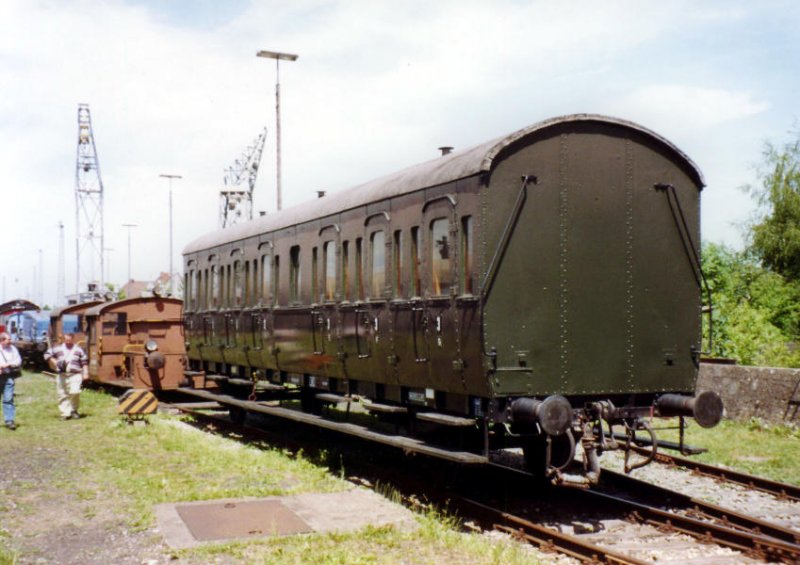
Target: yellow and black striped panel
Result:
[136, 402]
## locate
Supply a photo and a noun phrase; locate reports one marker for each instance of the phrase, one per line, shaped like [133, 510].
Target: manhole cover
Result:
[224, 520]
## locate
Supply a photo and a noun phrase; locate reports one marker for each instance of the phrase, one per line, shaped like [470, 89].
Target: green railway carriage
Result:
[538, 283]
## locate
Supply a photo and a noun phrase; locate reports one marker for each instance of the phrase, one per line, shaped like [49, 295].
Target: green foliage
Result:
[755, 447]
[756, 311]
[776, 238]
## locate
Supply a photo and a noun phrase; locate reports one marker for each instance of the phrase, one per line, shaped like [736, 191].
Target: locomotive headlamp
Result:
[150, 346]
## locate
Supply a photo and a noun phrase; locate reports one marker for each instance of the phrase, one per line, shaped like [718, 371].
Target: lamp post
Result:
[278, 58]
[170, 177]
[129, 226]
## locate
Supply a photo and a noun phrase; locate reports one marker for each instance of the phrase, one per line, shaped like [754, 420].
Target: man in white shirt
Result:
[71, 365]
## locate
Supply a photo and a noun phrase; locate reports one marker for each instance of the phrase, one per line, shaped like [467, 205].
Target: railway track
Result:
[781, 490]
[658, 513]
[696, 508]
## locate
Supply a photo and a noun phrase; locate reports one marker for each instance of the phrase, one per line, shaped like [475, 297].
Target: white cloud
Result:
[691, 106]
[378, 86]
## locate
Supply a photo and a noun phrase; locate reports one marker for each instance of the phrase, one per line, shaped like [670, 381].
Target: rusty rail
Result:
[750, 543]
[758, 544]
[699, 508]
[781, 490]
[546, 539]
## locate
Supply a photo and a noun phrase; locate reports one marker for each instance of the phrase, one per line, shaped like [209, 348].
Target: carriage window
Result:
[416, 262]
[276, 279]
[397, 262]
[441, 258]
[329, 256]
[247, 297]
[227, 287]
[187, 285]
[255, 297]
[377, 253]
[266, 278]
[359, 269]
[204, 290]
[466, 255]
[70, 323]
[345, 270]
[314, 274]
[216, 283]
[195, 297]
[115, 323]
[294, 274]
[237, 283]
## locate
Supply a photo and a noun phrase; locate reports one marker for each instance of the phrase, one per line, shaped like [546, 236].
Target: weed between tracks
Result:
[99, 474]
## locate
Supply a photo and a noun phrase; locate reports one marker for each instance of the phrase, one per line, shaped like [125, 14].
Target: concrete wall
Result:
[754, 392]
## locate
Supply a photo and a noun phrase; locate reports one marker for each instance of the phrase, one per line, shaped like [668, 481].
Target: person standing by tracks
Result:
[10, 369]
[70, 363]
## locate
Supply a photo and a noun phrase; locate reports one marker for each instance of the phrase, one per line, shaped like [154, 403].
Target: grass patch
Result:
[755, 447]
[437, 540]
[160, 462]
[82, 461]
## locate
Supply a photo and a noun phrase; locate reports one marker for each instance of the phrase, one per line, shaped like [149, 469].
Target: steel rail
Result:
[750, 543]
[757, 544]
[699, 508]
[780, 490]
[519, 528]
[546, 538]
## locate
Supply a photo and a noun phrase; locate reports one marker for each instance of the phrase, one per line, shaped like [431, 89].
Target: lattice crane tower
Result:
[88, 208]
[236, 204]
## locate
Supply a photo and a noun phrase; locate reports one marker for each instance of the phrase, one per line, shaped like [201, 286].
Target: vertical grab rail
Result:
[690, 250]
[500, 250]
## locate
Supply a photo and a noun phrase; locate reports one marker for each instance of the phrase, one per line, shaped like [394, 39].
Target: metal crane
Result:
[236, 204]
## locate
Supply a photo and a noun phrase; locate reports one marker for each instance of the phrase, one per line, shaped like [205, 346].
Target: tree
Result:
[775, 240]
[756, 311]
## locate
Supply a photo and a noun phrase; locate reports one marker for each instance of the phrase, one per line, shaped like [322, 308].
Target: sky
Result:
[175, 87]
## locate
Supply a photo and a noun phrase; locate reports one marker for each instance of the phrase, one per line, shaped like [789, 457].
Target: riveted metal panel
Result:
[595, 293]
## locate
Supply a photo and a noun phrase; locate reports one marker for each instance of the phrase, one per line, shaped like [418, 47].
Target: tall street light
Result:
[171, 272]
[129, 226]
[278, 58]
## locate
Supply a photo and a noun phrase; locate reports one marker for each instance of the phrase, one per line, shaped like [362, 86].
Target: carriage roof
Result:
[448, 168]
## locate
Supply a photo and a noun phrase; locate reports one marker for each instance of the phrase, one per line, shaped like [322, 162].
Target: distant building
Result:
[136, 289]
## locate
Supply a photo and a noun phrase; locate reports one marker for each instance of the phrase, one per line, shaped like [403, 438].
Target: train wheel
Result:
[237, 415]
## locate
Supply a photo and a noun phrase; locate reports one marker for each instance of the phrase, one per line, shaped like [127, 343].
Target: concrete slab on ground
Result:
[188, 524]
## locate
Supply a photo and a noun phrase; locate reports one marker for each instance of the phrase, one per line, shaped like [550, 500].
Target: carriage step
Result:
[445, 419]
[385, 408]
[261, 386]
[197, 405]
[215, 378]
[401, 442]
[332, 398]
[240, 382]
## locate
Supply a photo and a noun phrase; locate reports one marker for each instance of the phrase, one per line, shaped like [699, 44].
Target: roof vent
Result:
[320, 193]
[446, 150]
